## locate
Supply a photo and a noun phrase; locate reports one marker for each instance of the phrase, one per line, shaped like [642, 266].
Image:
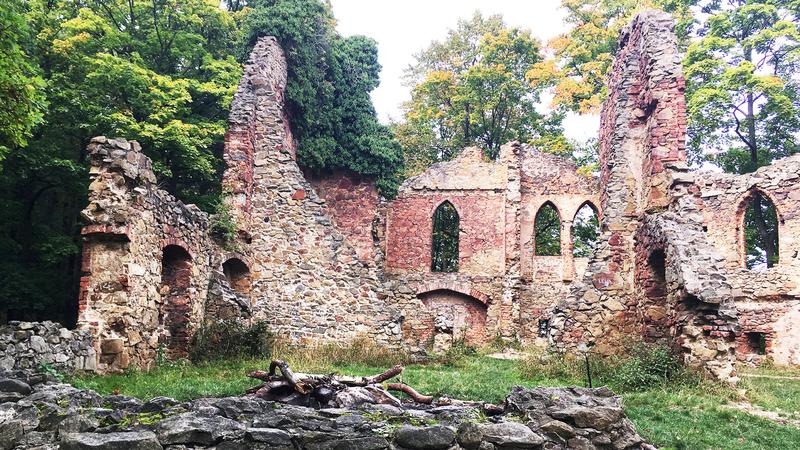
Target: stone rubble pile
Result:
[47, 415]
[30, 345]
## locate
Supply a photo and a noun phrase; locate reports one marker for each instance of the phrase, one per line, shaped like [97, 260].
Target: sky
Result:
[403, 28]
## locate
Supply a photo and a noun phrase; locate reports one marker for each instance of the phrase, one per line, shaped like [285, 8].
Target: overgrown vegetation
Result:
[670, 406]
[231, 339]
[330, 78]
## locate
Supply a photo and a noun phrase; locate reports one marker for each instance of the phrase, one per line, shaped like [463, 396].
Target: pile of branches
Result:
[332, 390]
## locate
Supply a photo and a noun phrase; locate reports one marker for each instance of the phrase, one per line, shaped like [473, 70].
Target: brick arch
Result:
[464, 288]
[176, 303]
[560, 215]
[436, 206]
[592, 205]
[741, 208]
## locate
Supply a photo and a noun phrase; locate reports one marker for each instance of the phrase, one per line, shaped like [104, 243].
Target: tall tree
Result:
[582, 57]
[470, 89]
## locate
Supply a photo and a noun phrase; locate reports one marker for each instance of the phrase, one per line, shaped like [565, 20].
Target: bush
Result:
[646, 366]
[229, 339]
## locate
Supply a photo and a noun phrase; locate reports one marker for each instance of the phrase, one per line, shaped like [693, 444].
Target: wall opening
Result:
[585, 230]
[544, 327]
[757, 343]
[656, 309]
[547, 231]
[760, 232]
[175, 311]
[457, 317]
[238, 275]
[444, 248]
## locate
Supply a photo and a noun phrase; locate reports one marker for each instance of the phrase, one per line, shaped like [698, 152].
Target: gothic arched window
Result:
[444, 251]
[760, 225]
[547, 229]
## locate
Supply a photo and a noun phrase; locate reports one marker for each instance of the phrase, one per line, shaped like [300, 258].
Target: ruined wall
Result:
[307, 280]
[354, 205]
[654, 275]
[767, 301]
[125, 300]
[547, 178]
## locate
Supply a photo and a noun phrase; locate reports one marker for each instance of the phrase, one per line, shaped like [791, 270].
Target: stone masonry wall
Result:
[31, 345]
[654, 274]
[132, 228]
[768, 301]
[308, 281]
[353, 204]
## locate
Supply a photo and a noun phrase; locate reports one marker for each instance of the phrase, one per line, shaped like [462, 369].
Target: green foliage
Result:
[158, 71]
[470, 89]
[444, 246]
[231, 339]
[224, 227]
[582, 56]
[456, 355]
[547, 231]
[743, 98]
[330, 78]
[21, 84]
[643, 367]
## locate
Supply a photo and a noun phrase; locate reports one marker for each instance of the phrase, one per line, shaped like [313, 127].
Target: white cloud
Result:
[404, 28]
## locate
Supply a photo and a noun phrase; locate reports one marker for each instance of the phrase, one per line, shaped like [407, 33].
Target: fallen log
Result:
[408, 390]
[281, 383]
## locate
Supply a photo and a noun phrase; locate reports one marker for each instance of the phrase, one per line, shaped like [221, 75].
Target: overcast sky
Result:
[402, 28]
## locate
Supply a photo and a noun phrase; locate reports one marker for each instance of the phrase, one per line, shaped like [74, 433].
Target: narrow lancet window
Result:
[547, 229]
[585, 229]
[444, 251]
[760, 233]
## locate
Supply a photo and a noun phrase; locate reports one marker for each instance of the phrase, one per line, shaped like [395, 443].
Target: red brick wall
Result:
[352, 203]
[481, 240]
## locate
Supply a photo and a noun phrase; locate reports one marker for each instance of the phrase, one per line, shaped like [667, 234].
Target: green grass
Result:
[683, 415]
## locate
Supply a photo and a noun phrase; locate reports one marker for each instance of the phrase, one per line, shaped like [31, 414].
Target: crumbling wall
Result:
[654, 275]
[768, 301]
[307, 280]
[130, 308]
[354, 205]
[547, 178]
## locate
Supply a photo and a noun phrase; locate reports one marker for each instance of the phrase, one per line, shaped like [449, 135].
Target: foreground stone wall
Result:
[29, 345]
[39, 413]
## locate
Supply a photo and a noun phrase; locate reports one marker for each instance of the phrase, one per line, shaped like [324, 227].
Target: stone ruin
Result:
[326, 259]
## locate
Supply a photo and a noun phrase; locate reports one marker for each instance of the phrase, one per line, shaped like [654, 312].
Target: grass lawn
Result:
[679, 417]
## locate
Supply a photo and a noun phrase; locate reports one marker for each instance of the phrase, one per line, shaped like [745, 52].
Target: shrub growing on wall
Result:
[327, 94]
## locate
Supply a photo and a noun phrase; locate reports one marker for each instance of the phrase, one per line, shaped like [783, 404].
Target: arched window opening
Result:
[444, 251]
[174, 316]
[585, 229]
[760, 232]
[238, 275]
[547, 231]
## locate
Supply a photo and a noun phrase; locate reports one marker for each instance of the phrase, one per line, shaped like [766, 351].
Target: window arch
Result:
[759, 231]
[444, 249]
[585, 229]
[547, 231]
[238, 275]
